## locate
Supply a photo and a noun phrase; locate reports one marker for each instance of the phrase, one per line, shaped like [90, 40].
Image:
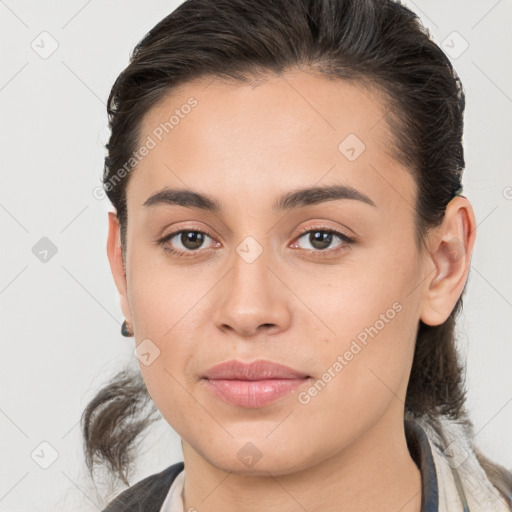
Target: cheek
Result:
[165, 308]
[368, 325]
[164, 296]
[362, 376]
[361, 297]
[167, 380]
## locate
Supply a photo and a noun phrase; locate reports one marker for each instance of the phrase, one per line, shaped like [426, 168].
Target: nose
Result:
[252, 300]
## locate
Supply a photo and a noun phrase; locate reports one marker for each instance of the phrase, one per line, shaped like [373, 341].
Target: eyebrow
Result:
[290, 200]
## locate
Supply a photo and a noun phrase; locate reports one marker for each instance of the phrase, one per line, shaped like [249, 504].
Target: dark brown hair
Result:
[376, 43]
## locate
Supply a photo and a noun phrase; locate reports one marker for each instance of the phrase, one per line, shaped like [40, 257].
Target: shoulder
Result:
[148, 494]
[463, 483]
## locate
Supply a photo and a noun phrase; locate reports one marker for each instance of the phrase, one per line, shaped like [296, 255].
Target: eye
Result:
[321, 238]
[187, 241]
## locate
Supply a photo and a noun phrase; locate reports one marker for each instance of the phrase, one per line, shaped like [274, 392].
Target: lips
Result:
[257, 370]
[252, 384]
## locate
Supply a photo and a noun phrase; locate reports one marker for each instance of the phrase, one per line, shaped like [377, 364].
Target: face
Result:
[324, 283]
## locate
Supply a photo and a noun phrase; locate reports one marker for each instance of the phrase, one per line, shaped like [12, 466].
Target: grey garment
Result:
[149, 494]
[421, 454]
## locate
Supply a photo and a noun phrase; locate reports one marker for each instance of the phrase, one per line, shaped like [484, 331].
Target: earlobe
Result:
[117, 266]
[450, 252]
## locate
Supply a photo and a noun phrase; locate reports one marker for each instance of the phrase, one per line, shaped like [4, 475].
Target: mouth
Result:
[253, 385]
[256, 370]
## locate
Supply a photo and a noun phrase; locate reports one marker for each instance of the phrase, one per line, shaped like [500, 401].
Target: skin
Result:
[295, 304]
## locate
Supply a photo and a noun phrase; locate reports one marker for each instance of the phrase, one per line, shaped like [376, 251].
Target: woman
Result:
[291, 246]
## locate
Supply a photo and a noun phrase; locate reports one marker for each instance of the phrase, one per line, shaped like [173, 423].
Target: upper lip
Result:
[257, 370]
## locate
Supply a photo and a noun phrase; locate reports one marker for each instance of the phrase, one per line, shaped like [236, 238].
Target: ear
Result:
[117, 265]
[450, 247]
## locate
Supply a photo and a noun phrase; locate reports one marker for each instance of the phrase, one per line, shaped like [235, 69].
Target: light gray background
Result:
[60, 319]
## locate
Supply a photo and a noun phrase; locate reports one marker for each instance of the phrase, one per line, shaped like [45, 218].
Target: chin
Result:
[249, 460]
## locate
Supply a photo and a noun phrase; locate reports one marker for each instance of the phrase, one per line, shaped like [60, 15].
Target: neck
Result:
[376, 472]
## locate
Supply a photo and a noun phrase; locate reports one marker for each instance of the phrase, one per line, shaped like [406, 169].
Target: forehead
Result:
[282, 133]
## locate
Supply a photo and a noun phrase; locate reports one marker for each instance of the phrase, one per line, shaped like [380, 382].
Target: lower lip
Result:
[253, 393]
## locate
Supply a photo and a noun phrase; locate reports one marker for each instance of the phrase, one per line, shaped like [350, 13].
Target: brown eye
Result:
[191, 239]
[184, 242]
[321, 240]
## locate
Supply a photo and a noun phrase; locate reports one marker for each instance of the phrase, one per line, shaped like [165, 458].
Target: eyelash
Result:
[347, 241]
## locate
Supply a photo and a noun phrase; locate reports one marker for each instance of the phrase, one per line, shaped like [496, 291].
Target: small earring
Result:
[125, 330]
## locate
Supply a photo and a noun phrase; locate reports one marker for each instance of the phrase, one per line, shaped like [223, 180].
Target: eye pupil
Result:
[195, 238]
[320, 239]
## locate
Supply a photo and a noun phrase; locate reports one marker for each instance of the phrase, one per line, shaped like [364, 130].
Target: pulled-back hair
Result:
[375, 43]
